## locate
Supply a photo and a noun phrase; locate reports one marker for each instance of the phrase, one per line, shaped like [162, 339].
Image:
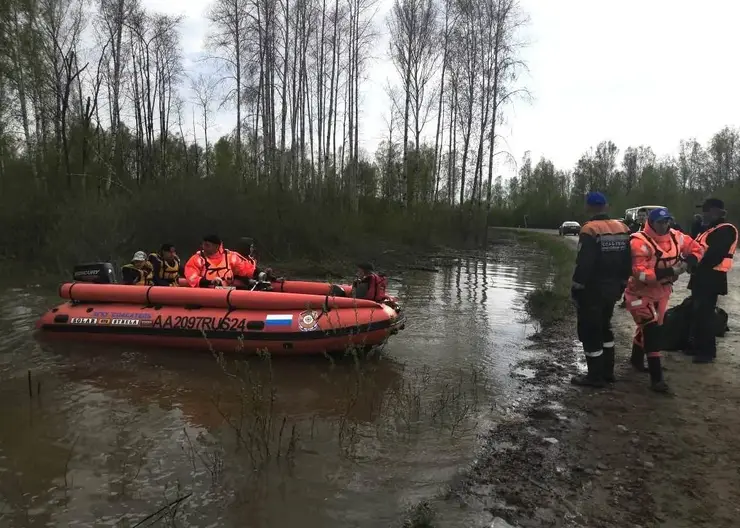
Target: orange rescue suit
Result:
[224, 265]
[650, 286]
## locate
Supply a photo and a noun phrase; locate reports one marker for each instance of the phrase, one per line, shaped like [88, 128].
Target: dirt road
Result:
[682, 449]
[624, 456]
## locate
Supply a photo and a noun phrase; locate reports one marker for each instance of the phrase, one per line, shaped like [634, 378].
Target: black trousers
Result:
[595, 322]
[703, 326]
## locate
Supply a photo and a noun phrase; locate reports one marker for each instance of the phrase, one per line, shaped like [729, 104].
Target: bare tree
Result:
[61, 23]
[204, 91]
[506, 20]
[227, 42]
[467, 55]
[112, 20]
[413, 28]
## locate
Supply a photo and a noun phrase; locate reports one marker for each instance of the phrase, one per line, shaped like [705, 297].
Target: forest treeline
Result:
[104, 134]
[105, 143]
[547, 195]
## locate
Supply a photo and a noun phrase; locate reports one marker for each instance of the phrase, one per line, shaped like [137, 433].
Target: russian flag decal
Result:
[279, 320]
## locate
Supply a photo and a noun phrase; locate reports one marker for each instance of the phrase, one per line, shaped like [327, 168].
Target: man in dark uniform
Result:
[697, 226]
[639, 223]
[603, 266]
[709, 278]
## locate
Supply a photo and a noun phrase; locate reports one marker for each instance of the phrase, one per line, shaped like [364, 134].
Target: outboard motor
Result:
[95, 273]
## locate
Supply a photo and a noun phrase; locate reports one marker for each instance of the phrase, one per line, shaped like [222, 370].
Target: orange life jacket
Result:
[726, 264]
[223, 272]
[377, 286]
[662, 258]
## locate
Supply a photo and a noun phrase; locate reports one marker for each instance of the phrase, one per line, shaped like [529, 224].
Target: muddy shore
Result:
[618, 457]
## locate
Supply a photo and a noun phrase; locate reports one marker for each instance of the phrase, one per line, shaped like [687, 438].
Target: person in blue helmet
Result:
[603, 266]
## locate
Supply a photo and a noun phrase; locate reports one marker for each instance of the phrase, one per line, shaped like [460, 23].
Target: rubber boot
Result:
[656, 375]
[593, 377]
[636, 360]
[608, 365]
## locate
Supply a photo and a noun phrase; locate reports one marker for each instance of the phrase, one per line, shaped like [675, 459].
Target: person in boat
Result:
[213, 265]
[660, 254]
[369, 284]
[166, 266]
[138, 271]
[247, 251]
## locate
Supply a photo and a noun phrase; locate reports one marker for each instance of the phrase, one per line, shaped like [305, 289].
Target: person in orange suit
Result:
[214, 266]
[660, 254]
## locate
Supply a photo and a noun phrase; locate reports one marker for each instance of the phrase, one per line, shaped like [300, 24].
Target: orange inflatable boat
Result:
[278, 321]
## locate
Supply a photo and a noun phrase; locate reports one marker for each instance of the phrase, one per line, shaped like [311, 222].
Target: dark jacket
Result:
[696, 228]
[604, 261]
[705, 279]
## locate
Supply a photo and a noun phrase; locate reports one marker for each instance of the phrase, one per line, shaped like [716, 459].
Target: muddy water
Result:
[109, 436]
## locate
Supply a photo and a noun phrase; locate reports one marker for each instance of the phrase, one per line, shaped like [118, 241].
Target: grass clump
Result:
[421, 515]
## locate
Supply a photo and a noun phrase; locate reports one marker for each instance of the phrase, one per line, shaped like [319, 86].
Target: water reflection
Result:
[117, 433]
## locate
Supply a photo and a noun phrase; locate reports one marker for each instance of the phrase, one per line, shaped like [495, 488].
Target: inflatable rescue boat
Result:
[292, 317]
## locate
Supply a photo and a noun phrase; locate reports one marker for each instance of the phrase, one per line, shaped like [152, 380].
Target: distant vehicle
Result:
[631, 214]
[569, 228]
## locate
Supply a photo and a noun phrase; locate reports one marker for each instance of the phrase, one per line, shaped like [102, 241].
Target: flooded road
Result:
[110, 437]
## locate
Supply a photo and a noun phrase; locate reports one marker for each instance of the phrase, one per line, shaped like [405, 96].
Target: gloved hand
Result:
[680, 268]
[691, 263]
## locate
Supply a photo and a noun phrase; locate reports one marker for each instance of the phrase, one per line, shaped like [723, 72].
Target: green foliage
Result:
[52, 233]
[547, 196]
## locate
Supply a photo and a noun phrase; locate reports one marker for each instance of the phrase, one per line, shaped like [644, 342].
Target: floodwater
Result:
[105, 436]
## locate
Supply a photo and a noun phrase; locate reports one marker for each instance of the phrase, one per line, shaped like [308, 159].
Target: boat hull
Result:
[225, 321]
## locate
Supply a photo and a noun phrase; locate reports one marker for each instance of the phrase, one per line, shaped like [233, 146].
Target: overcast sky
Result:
[648, 72]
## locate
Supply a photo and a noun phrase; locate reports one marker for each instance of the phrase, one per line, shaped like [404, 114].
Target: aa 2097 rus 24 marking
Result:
[224, 324]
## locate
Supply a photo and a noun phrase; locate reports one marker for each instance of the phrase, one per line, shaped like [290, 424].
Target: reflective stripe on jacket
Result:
[726, 264]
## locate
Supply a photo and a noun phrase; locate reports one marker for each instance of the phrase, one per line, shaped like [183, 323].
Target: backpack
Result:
[676, 329]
